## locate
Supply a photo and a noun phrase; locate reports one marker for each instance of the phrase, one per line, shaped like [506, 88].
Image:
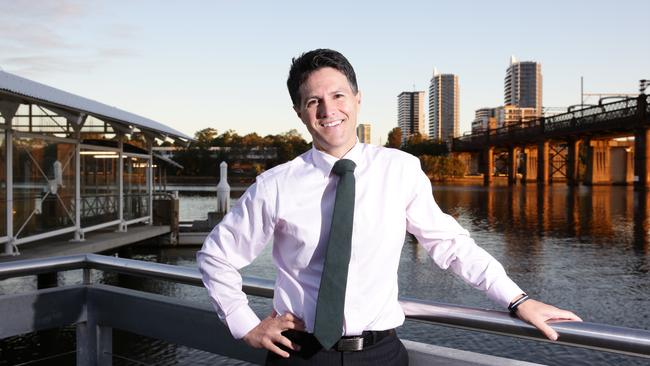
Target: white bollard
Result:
[223, 190]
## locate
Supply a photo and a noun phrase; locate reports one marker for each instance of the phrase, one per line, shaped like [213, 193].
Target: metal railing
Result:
[601, 116]
[635, 342]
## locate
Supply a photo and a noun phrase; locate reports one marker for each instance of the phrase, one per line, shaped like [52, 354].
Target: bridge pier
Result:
[512, 165]
[573, 160]
[474, 166]
[598, 163]
[542, 162]
[641, 148]
[641, 159]
[488, 164]
[530, 165]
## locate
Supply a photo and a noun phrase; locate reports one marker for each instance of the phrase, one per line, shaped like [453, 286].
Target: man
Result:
[304, 208]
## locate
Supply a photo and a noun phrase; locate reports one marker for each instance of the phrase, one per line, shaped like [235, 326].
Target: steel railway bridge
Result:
[580, 146]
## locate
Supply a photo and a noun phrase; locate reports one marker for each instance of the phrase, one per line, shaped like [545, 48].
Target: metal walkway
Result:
[94, 242]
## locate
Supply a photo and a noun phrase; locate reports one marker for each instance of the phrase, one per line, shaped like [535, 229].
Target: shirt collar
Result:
[325, 162]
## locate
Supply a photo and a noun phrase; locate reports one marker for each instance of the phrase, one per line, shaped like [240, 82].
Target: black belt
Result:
[365, 340]
[345, 344]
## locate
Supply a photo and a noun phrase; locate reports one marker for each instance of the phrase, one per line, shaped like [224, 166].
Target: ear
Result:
[297, 110]
[358, 97]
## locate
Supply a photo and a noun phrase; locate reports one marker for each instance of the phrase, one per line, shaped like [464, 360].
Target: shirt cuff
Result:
[503, 291]
[242, 321]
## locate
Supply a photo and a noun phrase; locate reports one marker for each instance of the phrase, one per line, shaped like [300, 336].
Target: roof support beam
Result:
[76, 119]
[121, 128]
[8, 110]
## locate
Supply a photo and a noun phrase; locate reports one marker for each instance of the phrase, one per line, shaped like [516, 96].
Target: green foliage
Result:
[433, 154]
[419, 145]
[288, 146]
[394, 138]
[202, 157]
[205, 137]
[441, 168]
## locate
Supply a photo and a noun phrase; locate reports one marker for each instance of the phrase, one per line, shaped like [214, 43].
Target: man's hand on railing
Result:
[538, 313]
[268, 333]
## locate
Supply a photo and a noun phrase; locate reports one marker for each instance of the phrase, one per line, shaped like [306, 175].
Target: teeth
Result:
[332, 124]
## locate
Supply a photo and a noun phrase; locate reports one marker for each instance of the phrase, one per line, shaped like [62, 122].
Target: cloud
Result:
[36, 65]
[121, 31]
[42, 36]
[38, 25]
[116, 53]
[54, 10]
[31, 36]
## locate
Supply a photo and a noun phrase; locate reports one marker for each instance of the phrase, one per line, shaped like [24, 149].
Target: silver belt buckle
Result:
[350, 344]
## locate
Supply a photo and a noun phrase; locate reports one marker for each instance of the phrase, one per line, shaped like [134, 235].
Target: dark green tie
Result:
[331, 294]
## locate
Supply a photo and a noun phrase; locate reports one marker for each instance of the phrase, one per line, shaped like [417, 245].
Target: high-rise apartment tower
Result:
[363, 133]
[444, 107]
[523, 85]
[410, 114]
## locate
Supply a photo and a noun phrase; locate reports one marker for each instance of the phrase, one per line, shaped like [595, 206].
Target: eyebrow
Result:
[337, 91]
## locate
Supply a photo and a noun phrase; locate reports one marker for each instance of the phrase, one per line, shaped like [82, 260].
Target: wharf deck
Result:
[95, 242]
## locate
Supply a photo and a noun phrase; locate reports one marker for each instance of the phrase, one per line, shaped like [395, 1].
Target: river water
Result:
[585, 249]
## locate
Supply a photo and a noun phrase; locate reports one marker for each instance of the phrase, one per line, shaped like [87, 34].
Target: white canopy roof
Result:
[38, 92]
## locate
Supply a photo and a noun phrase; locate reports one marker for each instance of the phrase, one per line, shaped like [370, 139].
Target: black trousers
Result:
[387, 352]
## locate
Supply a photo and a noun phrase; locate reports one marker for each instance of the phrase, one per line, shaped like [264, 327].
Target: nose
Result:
[325, 109]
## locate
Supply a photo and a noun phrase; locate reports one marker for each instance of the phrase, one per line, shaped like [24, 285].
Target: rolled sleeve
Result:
[234, 243]
[451, 247]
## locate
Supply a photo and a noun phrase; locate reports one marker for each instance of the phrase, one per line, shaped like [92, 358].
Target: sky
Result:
[223, 64]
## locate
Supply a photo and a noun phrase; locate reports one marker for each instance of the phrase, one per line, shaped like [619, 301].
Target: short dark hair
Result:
[308, 62]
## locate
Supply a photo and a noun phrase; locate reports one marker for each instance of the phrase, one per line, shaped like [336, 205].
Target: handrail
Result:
[629, 341]
[560, 120]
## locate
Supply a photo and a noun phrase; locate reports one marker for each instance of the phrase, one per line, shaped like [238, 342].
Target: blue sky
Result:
[223, 64]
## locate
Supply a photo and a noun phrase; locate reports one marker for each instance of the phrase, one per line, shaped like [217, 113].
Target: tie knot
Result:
[342, 166]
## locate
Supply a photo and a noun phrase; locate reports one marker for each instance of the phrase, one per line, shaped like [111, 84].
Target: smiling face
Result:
[329, 107]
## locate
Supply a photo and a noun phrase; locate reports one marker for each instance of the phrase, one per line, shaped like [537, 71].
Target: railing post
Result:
[150, 179]
[78, 233]
[94, 341]
[120, 181]
[94, 344]
[8, 111]
[9, 174]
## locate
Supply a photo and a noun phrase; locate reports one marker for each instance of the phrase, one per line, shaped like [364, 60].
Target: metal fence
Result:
[96, 309]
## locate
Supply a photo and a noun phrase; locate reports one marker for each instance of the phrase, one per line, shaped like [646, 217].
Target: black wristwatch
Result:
[515, 304]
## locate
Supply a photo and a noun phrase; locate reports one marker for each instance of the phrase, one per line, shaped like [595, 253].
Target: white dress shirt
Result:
[292, 205]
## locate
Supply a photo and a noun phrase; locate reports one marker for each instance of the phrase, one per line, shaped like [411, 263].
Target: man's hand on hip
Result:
[538, 313]
[268, 333]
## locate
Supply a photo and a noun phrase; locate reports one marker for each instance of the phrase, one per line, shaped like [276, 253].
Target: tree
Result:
[227, 139]
[205, 137]
[253, 140]
[441, 168]
[288, 146]
[394, 138]
[419, 145]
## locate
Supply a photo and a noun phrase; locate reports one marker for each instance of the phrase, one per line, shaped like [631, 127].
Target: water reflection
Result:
[582, 248]
[608, 215]
[538, 227]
